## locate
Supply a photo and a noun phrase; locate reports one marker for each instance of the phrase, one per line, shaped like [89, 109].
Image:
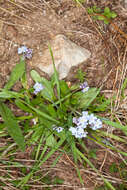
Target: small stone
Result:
[66, 55]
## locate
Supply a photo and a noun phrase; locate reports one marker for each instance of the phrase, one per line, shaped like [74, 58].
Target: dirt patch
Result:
[34, 25]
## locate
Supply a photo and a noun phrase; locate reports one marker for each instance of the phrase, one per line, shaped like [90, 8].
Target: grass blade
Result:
[5, 94]
[116, 125]
[55, 73]
[93, 167]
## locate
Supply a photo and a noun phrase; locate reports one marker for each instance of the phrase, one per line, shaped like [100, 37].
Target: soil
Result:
[33, 23]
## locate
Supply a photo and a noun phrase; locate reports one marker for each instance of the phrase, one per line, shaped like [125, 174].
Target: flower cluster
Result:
[84, 86]
[38, 87]
[27, 53]
[83, 122]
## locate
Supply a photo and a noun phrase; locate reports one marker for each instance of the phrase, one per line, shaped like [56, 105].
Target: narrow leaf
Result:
[23, 107]
[12, 126]
[16, 74]
[35, 76]
[9, 94]
[46, 116]
[116, 125]
[87, 98]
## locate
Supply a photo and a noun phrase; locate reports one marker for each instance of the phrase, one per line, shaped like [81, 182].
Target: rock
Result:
[66, 54]
[126, 4]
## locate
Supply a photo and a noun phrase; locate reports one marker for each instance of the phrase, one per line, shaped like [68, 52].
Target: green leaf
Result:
[100, 17]
[52, 151]
[106, 10]
[80, 75]
[43, 114]
[90, 10]
[87, 98]
[113, 15]
[96, 9]
[102, 105]
[117, 138]
[47, 92]
[73, 101]
[37, 134]
[61, 114]
[12, 126]
[52, 111]
[9, 94]
[35, 76]
[64, 88]
[23, 107]
[16, 74]
[106, 21]
[57, 180]
[24, 81]
[50, 141]
[69, 120]
[113, 168]
[116, 125]
[47, 180]
[79, 1]
[92, 153]
[124, 85]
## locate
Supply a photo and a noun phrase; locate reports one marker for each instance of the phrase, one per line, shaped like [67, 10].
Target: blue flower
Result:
[84, 86]
[82, 121]
[96, 125]
[92, 119]
[94, 122]
[27, 53]
[58, 129]
[75, 120]
[22, 49]
[38, 87]
[73, 130]
[78, 132]
[85, 89]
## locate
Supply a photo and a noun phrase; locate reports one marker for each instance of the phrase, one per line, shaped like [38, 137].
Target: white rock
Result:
[126, 4]
[66, 54]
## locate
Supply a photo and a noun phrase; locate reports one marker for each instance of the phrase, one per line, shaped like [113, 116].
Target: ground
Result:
[33, 23]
